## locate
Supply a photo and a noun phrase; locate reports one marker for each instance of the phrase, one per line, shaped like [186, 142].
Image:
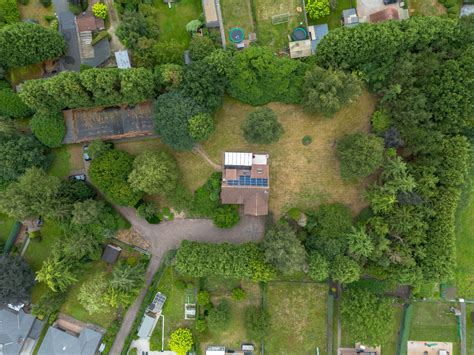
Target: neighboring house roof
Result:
[86, 21]
[210, 13]
[245, 181]
[58, 342]
[350, 17]
[109, 123]
[111, 253]
[122, 59]
[15, 328]
[215, 350]
[147, 326]
[389, 13]
[466, 10]
[300, 49]
[316, 33]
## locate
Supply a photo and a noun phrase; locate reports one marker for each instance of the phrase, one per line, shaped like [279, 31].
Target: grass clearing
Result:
[390, 344]
[66, 159]
[172, 287]
[298, 314]
[300, 176]
[426, 8]
[20, 74]
[235, 333]
[6, 224]
[194, 170]
[172, 22]
[38, 252]
[272, 35]
[334, 18]
[237, 13]
[434, 322]
[36, 11]
[73, 308]
[465, 237]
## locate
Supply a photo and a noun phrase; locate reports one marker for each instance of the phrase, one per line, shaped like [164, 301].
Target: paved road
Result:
[67, 25]
[168, 235]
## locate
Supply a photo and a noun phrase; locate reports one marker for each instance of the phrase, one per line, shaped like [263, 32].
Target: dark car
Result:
[388, 2]
[85, 153]
[80, 177]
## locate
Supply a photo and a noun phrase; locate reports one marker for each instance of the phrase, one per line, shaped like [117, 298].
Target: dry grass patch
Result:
[34, 10]
[194, 170]
[298, 314]
[426, 8]
[301, 176]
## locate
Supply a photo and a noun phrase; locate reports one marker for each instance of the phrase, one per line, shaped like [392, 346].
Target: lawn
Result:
[426, 8]
[465, 238]
[20, 74]
[390, 344]
[175, 290]
[298, 314]
[334, 18]
[194, 170]
[34, 10]
[237, 13]
[235, 333]
[66, 159]
[276, 36]
[37, 252]
[6, 224]
[172, 22]
[300, 176]
[434, 322]
[73, 308]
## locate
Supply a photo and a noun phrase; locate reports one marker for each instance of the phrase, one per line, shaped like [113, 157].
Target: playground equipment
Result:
[299, 34]
[236, 35]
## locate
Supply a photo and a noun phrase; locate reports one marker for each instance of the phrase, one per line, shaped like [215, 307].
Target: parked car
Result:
[80, 177]
[388, 2]
[85, 153]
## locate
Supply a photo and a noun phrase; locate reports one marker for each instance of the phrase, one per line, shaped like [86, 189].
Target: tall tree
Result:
[262, 127]
[49, 128]
[16, 280]
[57, 274]
[345, 270]
[283, 249]
[92, 294]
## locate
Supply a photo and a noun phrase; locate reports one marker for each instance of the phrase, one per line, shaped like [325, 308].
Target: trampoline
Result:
[236, 35]
[299, 34]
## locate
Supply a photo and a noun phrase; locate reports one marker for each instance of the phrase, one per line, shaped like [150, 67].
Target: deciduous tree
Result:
[16, 280]
[49, 128]
[181, 341]
[344, 270]
[57, 274]
[262, 127]
[92, 294]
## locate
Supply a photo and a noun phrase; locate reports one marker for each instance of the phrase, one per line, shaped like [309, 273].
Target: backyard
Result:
[34, 10]
[172, 22]
[434, 322]
[298, 314]
[334, 18]
[66, 159]
[276, 35]
[300, 176]
[237, 14]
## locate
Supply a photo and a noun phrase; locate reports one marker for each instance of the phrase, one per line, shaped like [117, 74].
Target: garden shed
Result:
[300, 49]
[111, 253]
[210, 13]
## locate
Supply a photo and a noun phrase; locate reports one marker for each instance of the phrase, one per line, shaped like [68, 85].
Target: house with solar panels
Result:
[246, 181]
[151, 316]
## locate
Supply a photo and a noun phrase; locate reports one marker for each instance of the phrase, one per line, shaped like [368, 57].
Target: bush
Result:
[99, 10]
[98, 148]
[181, 341]
[201, 325]
[307, 140]
[238, 294]
[203, 298]
[318, 267]
[46, 3]
[359, 155]
[147, 210]
[380, 121]
[262, 127]
[8, 12]
[219, 317]
[49, 128]
[317, 8]
[12, 106]
[226, 216]
[201, 126]
[200, 47]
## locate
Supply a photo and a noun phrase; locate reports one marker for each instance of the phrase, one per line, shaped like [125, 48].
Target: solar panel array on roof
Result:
[248, 181]
[157, 303]
[237, 159]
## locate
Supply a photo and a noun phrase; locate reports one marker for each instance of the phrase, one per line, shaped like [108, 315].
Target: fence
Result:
[405, 329]
[11, 238]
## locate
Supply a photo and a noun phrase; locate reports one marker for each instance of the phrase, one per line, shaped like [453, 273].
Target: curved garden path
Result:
[167, 236]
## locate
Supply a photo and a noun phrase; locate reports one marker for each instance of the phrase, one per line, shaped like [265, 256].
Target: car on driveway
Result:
[80, 177]
[85, 153]
[388, 2]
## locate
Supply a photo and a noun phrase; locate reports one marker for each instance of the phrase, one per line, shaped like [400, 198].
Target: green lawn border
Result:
[11, 238]
[151, 291]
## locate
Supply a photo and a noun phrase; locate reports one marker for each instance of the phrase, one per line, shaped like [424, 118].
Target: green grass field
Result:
[6, 224]
[465, 237]
[272, 35]
[73, 308]
[434, 322]
[334, 18]
[172, 22]
[38, 252]
[237, 13]
[173, 310]
[298, 318]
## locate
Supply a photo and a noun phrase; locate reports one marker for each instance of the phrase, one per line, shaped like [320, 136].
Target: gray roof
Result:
[467, 10]
[320, 31]
[15, 327]
[350, 17]
[122, 59]
[147, 326]
[58, 342]
[101, 53]
[111, 253]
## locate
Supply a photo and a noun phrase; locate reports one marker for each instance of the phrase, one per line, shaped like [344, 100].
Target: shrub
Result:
[45, 3]
[219, 317]
[380, 121]
[201, 126]
[262, 127]
[99, 10]
[98, 148]
[49, 128]
[201, 325]
[147, 210]
[344, 269]
[318, 267]
[238, 294]
[12, 106]
[360, 155]
[317, 8]
[8, 12]
[200, 47]
[226, 216]
[307, 140]
[181, 341]
[203, 298]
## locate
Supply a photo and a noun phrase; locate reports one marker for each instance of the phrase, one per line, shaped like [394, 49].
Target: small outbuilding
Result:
[300, 49]
[123, 60]
[111, 253]
[316, 34]
[467, 10]
[215, 350]
[147, 326]
[210, 13]
[350, 17]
